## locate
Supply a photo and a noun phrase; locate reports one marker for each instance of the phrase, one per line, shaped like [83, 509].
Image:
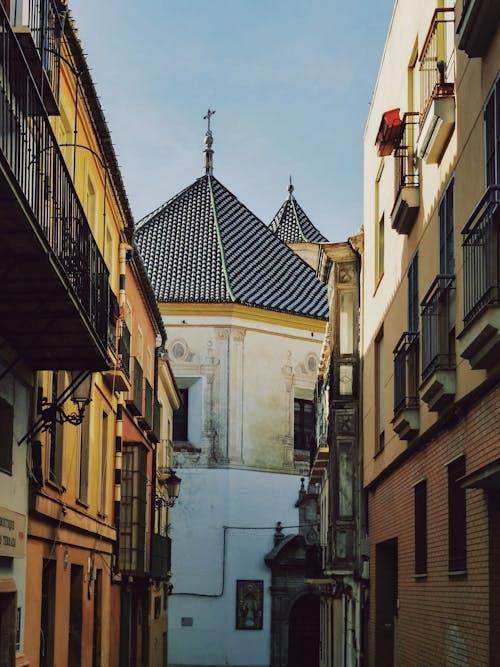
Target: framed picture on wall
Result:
[249, 604]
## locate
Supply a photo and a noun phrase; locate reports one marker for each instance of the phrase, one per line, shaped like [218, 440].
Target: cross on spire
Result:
[208, 151]
[210, 113]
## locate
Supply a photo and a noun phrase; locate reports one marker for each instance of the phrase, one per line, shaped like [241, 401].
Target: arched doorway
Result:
[303, 632]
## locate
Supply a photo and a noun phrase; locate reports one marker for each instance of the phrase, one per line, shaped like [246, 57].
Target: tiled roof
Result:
[205, 246]
[291, 224]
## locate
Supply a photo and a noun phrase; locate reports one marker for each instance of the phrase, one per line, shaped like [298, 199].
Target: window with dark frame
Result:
[421, 527]
[446, 247]
[413, 303]
[180, 425]
[457, 518]
[6, 435]
[492, 137]
[303, 423]
[379, 392]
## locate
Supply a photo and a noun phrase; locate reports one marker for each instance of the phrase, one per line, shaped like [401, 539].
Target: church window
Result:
[303, 424]
[181, 417]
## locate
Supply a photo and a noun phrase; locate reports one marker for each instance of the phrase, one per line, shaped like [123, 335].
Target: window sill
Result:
[82, 503]
[422, 576]
[378, 452]
[457, 573]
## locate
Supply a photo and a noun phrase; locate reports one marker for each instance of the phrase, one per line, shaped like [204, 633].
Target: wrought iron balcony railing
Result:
[437, 60]
[406, 369]
[45, 27]
[438, 326]
[147, 414]
[135, 397]
[155, 433]
[124, 348]
[406, 164]
[33, 164]
[481, 253]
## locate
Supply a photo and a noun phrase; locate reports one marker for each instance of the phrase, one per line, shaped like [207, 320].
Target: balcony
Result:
[161, 557]
[319, 461]
[133, 510]
[38, 28]
[480, 338]
[437, 88]
[154, 434]
[405, 209]
[406, 420]
[118, 377]
[146, 420]
[54, 304]
[479, 22]
[438, 344]
[135, 397]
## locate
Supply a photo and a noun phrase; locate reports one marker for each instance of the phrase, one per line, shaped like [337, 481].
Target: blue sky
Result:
[291, 82]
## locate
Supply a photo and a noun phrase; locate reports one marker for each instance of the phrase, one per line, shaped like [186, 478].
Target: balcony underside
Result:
[40, 314]
[437, 128]
[25, 38]
[406, 423]
[319, 464]
[438, 389]
[405, 209]
[480, 341]
[477, 27]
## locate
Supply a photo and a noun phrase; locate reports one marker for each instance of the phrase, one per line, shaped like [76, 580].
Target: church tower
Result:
[246, 319]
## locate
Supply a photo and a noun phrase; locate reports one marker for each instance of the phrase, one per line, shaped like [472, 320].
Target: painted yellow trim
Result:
[244, 312]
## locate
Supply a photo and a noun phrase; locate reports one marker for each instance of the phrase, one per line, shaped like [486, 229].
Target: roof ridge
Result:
[301, 232]
[219, 239]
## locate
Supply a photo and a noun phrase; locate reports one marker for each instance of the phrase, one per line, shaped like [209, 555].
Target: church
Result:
[245, 316]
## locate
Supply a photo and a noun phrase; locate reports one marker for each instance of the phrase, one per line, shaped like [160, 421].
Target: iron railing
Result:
[155, 433]
[406, 367]
[148, 406]
[161, 556]
[438, 331]
[406, 165]
[135, 399]
[33, 161]
[44, 22]
[437, 60]
[113, 315]
[124, 348]
[481, 256]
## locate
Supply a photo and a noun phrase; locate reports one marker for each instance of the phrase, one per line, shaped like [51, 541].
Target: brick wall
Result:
[442, 620]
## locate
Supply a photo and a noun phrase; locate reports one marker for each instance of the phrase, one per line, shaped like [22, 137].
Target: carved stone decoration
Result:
[179, 351]
[345, 422]
[346, 274]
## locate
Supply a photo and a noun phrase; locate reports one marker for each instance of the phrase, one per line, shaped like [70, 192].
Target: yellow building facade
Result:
[67, 380]
[430, 337]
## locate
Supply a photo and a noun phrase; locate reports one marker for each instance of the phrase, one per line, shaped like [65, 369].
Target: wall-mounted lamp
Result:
[173, 484]
[79, 391]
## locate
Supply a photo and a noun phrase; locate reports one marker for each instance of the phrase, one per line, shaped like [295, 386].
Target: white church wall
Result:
[239, 500]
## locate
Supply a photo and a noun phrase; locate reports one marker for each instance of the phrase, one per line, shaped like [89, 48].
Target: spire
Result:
[290, 187]
[209, 161]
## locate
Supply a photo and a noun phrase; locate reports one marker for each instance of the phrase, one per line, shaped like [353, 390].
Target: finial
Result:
[209, 163]
[290, 186]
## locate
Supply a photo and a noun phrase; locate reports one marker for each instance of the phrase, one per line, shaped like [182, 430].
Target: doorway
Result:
[386, 601]
[303, 632]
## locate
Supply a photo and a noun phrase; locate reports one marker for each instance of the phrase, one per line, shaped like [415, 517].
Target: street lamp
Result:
[173, 484]
[51, 413]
